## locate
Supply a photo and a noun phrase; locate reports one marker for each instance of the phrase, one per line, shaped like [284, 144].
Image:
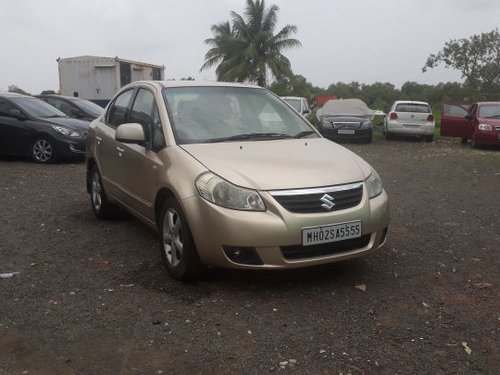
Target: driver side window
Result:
[145, 112]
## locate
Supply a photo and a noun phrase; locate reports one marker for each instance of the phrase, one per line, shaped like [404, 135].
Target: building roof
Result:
[116, 58]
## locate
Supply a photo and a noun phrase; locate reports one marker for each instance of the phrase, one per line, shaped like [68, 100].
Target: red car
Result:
[479, 122]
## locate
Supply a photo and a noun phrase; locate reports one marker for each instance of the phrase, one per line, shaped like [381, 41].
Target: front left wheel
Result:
[43, 151]
[176, 243]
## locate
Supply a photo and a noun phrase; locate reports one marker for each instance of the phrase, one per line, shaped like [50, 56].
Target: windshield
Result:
[89, 107]
[218, 114]
[489, 111]
[37, 108]
[295, 103]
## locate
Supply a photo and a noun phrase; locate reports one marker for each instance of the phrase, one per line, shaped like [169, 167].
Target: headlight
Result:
[366, 124]
[222, 193]
[65, 131]
[374, 184]
[326, 123]
[485, 127]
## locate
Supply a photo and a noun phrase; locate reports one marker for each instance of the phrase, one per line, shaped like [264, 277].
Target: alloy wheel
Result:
[172, 237]
[96, 191]
[42, 151]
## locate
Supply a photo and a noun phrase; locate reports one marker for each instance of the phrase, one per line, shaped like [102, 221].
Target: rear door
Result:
[453, 121]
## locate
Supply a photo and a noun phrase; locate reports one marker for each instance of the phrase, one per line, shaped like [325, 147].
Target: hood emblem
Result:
[327, 202]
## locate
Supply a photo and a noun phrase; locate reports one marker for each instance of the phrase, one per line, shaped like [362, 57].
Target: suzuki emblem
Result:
[327, 202]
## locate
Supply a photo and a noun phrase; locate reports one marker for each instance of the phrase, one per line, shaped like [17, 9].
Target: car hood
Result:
[281, 164]
[489, 121]
[68, 122]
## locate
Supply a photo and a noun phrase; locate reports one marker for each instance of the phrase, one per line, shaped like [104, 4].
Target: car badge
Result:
[327, 202]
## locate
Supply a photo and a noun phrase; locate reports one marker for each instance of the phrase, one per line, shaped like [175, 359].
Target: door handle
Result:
[120, 149]
[98, 138]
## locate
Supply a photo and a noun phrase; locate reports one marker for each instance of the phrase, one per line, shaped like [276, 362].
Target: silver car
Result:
[231, 176]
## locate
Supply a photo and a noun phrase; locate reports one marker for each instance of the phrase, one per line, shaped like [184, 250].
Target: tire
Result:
[388, 136]
[429, 138]
[464, 141]
[43, 151]
[177, 247]
[473, 142]
[102, 207]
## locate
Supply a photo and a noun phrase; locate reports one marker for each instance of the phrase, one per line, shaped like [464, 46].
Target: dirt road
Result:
[92, 297]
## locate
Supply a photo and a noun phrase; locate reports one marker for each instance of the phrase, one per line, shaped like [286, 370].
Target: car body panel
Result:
[134, 176]
[412, 119]
[17, 135]
[462, 120]
[279, 164]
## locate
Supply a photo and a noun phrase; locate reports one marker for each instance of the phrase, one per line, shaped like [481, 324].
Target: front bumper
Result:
[359, 134]
[273, 232]
[491, 138]
[70, 148]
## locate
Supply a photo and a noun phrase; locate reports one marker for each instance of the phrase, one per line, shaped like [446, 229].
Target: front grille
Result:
[346, 125]
[313, 200]
[314, 251]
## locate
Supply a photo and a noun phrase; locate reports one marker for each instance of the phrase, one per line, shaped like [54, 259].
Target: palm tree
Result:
[247, 48]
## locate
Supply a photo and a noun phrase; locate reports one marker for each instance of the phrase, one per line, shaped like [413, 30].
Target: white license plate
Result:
[331, 233]
[346, 131]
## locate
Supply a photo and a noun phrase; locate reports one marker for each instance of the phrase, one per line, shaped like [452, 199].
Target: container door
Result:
[125, 73]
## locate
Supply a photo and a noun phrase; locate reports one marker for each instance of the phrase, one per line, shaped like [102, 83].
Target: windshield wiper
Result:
[304, 133]
[250, 136]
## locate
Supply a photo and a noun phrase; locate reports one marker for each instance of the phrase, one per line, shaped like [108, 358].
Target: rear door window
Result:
[413, 108]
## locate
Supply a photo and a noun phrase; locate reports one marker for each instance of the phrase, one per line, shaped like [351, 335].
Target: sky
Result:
[342, 41]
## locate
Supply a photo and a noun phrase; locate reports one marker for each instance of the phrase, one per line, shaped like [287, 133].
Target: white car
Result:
[410, 118]
[298, 103]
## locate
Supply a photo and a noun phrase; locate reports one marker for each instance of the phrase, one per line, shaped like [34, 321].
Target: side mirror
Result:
[17, 114]
[130, 133]
[469, 117]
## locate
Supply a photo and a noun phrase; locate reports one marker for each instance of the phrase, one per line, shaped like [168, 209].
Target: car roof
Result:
[410, 102]
[13, 95]
[170, 84]
[483, 103]
[59, 96]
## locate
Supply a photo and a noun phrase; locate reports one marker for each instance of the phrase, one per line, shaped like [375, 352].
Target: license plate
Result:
[346, 131]
[331, 233]
[411, 126]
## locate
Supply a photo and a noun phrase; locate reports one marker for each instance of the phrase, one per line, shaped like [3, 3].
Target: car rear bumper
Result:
[275, 235]
[410, 129]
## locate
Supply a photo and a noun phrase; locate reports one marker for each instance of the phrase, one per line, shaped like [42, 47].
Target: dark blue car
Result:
[31, 127]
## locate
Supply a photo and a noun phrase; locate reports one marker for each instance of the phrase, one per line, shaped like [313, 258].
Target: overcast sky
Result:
[349, 40]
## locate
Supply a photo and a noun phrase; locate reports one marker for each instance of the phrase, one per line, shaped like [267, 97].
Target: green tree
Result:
[477, 58]
[247, 48]
[295, 85]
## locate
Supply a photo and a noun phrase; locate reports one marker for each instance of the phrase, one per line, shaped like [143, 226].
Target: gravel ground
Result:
[92, 297]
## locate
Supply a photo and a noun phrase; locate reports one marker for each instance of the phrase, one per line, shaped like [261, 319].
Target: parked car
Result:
[298, 103]
[346, 119]
[29, 126]
[480, 122]
[197, 162]
[410, 118]
[74, 107]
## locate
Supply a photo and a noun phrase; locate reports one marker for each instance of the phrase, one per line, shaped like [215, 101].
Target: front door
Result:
[139, 165]
[453, 121]
[14, 133]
